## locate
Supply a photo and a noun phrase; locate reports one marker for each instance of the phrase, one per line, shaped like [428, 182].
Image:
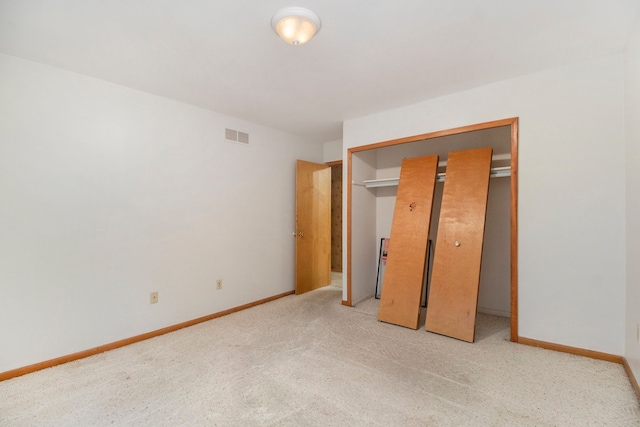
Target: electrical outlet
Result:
[154, 298]
[219, 284]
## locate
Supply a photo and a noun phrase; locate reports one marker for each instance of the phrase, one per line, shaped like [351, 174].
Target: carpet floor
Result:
[309, 361]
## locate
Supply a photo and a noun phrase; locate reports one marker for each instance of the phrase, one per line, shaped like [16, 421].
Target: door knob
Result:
[457, 243]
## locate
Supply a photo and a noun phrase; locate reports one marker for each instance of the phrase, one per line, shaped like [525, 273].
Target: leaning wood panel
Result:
[404, 275]
[453, 294]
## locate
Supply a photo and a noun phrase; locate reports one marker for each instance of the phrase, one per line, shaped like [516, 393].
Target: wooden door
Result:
[453, 294]
[404, 274]
[313, 226]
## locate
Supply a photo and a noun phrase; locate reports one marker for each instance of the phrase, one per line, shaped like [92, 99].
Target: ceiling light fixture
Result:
[296, 25]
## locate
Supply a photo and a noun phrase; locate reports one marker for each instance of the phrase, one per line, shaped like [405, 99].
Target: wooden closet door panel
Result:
[453, 294]
[404, 274]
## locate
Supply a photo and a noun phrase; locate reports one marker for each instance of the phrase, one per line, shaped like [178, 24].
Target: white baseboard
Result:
[354, 302]
[494, 312]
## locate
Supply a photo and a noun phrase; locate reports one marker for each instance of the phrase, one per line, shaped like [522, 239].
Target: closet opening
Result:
[369, 210]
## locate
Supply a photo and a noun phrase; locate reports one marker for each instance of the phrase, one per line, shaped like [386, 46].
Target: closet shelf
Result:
[391, 182]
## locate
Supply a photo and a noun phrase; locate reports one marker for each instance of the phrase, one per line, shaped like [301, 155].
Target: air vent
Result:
[231, 135]
[235, 136]
[243, 137]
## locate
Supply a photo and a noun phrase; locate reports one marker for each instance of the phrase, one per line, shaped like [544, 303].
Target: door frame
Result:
[513, 123]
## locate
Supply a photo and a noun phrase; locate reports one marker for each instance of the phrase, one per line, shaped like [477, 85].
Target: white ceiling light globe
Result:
[296, 25]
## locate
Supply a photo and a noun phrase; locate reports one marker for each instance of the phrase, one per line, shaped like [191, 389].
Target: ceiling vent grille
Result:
[236, 136]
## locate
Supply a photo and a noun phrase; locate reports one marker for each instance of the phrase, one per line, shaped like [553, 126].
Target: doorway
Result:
[361, 162]
[336, 217]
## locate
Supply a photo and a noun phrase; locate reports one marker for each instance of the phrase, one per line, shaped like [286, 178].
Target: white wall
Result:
[332, 151]
[632, 137]
[494, 295]
[364, 250]
[571, 191]
[108, 193]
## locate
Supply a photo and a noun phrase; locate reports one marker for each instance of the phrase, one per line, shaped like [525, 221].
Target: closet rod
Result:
[391, 182]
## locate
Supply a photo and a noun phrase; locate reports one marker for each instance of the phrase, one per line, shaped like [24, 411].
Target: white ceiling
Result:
[371, 55]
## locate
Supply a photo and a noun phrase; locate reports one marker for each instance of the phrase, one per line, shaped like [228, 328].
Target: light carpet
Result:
[307, 360]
